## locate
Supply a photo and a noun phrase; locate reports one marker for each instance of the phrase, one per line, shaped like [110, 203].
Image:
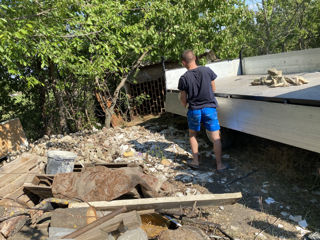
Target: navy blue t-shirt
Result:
[197, 84]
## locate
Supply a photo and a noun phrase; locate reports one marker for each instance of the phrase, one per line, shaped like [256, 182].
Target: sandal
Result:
[193, 166]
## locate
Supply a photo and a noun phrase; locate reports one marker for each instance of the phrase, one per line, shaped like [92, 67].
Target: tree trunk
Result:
[110, 110]
[108, 114]
[59, 100]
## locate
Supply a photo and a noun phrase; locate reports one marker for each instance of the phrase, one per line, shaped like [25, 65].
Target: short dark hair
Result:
[188, 56]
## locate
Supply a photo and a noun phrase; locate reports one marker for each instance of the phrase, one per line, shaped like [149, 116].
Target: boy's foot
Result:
[224, 168]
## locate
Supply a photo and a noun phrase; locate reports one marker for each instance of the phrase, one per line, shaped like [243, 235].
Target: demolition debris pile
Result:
[129, 183]
[276, 79]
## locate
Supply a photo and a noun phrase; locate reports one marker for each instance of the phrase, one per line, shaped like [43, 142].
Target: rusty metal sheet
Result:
[100, 183]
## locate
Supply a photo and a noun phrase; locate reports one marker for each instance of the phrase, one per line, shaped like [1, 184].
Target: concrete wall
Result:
[222, 69]
[289, 62]
[275, 121]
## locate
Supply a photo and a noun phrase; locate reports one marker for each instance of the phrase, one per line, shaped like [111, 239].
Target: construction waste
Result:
[276, 79]
[130, 183]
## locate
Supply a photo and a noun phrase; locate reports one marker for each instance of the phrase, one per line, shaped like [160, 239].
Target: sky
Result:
[252, 4]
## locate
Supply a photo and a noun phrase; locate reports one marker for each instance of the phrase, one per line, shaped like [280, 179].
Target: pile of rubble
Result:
[125, 183]
[276, 79]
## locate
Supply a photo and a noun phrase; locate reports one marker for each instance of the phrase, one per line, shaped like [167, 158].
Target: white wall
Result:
[222, 69]
[289, 62]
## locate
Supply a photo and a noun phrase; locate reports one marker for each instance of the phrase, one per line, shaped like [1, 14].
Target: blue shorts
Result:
[207, 116]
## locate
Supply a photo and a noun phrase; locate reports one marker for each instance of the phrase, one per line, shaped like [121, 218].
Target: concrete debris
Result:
[276, 79]
[57, 233]
[135, 234]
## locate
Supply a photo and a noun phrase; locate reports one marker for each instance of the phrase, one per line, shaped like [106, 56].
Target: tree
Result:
[95, 46]
[280, 26]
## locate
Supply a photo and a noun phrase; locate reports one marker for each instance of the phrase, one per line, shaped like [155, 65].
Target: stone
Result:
[185, 233]
[179, 194]
[185, 178]
[66, 139]
[165, 162]
[274, 72]
[128, 154]
[135, 234]
[57, 232]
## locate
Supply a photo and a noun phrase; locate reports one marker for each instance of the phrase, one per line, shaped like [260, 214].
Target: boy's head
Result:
[188, 57]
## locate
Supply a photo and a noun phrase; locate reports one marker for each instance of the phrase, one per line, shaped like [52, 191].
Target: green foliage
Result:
[60, 53]
[279, 26]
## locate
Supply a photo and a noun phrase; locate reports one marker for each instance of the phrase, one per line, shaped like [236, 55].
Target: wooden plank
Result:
[41, 191]
[100, 231]
[9, 176]
[25, 157]
[93, 225]
[204, 200]
[18, 182]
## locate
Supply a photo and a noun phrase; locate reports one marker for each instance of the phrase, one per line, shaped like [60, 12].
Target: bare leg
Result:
[215, 137]
[194, 146]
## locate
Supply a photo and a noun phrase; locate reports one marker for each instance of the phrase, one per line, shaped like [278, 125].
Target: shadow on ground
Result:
[260, 169]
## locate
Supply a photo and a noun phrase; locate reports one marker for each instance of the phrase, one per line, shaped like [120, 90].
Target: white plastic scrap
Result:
[269, 200]
[295, 218]
[303, 223]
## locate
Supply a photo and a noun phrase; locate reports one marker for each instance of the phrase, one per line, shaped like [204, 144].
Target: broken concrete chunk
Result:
[135, 234]
[274, 72]
[57, 232]
[276, 79]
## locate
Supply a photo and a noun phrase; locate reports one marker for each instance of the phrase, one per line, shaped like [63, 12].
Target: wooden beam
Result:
[204, 200]
[96, 223]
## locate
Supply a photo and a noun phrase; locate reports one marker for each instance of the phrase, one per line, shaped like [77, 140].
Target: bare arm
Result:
[213, 85]
[183, 98]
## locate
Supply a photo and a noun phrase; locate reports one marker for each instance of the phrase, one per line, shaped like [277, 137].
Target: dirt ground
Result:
[262, 170]
[279, 184]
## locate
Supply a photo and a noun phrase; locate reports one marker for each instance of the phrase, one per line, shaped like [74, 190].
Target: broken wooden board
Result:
[11, 136]
[204, 200]
[14, 174]
[40, 186]
[101, 231]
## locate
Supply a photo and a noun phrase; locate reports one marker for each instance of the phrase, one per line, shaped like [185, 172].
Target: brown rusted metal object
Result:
[100, 183]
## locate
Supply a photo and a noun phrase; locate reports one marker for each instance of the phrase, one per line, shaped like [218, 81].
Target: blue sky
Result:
[252, 4]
